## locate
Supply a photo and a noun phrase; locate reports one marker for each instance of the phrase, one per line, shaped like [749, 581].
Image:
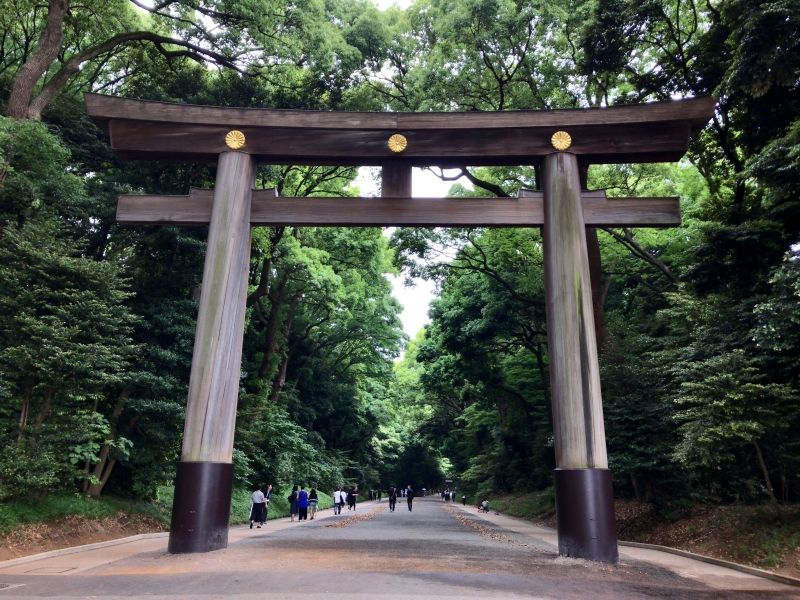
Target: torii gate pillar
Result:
[204, 482]
[584, 498]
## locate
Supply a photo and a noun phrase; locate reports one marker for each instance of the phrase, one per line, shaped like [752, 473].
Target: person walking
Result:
[409, 496]
[338, 500]
[312, 502]
[293, 503]
[302, 504]
[351, 499]
[267, 498]
[258, 507]
[392, 498]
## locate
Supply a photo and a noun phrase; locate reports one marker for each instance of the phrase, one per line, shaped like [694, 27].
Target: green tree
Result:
[66, 341]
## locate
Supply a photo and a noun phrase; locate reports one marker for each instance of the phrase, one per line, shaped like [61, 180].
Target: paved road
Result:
[436, 551]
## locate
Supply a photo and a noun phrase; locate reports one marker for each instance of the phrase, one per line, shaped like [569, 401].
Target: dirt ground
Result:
[73, 531]
[747, 535]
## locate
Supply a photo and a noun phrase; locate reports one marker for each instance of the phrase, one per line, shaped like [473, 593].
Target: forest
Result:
[698, 326]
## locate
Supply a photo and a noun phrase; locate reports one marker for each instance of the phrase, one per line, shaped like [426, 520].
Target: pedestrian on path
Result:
[267, 498]
[352, 495]
[258, 507]
[392, 498]
[409, 496]
[312, 502]
[338, 500]
[293, 503]
[302, 504]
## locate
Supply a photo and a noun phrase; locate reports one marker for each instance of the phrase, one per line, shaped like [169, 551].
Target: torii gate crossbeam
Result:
[561, 142]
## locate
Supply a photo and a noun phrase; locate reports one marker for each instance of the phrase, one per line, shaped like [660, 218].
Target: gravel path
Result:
[436, 551]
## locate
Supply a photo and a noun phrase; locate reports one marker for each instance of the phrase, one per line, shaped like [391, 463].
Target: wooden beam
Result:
[525, 211]
[658, 131]
[112, 107]
[396, 180]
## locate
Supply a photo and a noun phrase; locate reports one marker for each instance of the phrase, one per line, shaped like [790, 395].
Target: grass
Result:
[57, 506]
[531, 505]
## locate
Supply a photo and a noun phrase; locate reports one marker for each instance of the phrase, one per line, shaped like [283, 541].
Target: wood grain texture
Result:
[525, 211]
[642, 133]
[112, 107]
[216, 359]
[574, 373]
[396, 180]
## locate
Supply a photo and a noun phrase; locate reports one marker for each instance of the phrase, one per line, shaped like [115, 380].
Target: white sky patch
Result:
[414, 299]
[416, 302]
[384, 4]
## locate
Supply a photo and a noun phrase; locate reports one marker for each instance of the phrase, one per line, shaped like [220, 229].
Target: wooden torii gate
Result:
[562, 142]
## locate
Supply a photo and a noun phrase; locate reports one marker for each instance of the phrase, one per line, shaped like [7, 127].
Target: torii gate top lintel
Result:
[654, 132]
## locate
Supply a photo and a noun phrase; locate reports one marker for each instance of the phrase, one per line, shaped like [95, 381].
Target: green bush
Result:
[25, 474]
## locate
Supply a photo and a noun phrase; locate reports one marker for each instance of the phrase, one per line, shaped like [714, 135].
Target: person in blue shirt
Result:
[302, 504]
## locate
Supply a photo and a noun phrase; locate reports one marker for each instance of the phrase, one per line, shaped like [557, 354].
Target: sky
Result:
[384, 4]
[415, 300]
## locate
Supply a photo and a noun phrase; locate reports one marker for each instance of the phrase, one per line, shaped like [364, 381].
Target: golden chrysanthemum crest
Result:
[561, 140]
[397, 142]
[234, 139]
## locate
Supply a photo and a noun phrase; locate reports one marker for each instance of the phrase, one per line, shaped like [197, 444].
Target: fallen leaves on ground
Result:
[356, 518]
[482, 529]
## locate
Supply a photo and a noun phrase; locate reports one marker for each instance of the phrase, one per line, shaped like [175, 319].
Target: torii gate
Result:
[562, 142]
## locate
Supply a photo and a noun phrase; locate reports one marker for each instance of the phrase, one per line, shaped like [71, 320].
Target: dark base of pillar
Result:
[585, 510]
[201, 507]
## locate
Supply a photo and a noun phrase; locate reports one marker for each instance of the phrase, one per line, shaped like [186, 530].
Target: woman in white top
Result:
[258, 510]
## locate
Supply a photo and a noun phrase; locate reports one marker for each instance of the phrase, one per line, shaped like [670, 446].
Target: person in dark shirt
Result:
[392, 498]
[312, 502]
[409, 496]
[293, 503]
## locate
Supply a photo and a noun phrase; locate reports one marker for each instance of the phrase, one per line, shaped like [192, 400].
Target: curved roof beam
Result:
[655, 132]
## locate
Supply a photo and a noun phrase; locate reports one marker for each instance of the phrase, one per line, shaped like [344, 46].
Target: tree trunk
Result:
[276, 297]
[44, 411]
[649, 491]
[25, 410]
[764, 471]
[40, 61]
[104, 466]
[280, 377]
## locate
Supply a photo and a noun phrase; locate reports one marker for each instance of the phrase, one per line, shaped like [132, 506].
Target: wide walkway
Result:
[437, 551]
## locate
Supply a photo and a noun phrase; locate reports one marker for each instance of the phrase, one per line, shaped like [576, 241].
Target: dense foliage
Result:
[698, 325]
